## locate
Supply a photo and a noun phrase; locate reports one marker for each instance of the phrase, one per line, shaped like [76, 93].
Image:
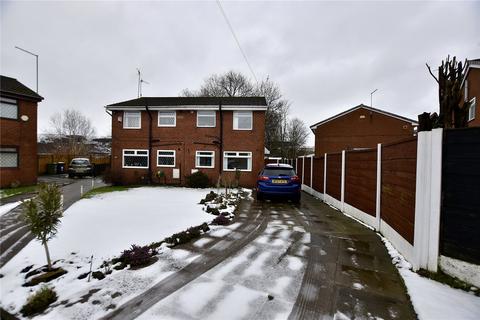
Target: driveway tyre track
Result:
[220, 252]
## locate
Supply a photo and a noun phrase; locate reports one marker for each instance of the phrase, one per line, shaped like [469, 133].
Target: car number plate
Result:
[279, 181]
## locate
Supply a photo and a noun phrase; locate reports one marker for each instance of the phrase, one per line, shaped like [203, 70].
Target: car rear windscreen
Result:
[278, 172]
[80, 162]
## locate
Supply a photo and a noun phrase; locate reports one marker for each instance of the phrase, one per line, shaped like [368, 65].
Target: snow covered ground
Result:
[433, 300]
[8, 207]
[104, 226]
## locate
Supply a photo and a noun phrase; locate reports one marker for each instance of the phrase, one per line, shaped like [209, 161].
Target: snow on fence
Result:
[394, 188]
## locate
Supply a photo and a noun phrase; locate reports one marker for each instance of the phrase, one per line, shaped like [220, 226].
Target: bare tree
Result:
[72, 130]
[450, 76]
[297, 135]
[235, 84]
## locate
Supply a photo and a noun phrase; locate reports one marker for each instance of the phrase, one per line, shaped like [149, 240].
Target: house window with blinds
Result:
[135, 158]
[8, 158]
[166, 158]
[237, 161]
[167, 118]
[8, 108]
[132, 120]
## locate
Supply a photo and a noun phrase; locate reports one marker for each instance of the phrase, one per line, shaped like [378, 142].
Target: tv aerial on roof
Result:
[139, 84]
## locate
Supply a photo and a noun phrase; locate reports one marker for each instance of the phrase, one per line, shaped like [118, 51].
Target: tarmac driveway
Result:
[281, 261]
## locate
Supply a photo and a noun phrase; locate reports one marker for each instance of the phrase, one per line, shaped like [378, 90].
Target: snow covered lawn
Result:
[104, 226]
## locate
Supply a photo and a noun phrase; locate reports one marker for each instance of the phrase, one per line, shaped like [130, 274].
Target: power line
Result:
[236, 40]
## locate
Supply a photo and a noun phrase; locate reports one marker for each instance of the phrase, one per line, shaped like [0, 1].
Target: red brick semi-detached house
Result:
[18, 133]
[471, 91]
[180, 135]
[360, 127]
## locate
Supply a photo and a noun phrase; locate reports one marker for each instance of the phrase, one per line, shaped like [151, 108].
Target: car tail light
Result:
[263, 178]
[295, 179]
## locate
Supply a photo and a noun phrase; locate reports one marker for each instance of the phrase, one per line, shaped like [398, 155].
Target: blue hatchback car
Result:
[278, 180]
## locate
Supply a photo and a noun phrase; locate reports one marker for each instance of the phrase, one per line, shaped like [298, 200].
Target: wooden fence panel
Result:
[460, 215]
[399, 165]
[361, 180]
[299, 167]
[318, 168]
[307, 170]
[334, 175]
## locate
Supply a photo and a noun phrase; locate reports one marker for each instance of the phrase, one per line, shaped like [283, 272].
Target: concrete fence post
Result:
[342, 186]
[428, 200]
[379, 187]
[324, 176]
[311, 171]
[303, 168]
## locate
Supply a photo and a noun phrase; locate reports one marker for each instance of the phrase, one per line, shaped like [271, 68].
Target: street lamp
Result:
[36, 57]
[371, 97]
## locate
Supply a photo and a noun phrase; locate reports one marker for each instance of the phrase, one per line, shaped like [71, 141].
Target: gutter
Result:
[220, 167]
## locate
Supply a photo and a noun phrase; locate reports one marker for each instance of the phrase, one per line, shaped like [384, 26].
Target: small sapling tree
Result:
[43, 215]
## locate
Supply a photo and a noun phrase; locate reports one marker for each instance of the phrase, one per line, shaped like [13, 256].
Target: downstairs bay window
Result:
[233, 160]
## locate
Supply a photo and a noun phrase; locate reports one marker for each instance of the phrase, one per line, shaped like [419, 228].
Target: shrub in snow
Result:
[198, 180]
[187, 235]
[44, 277]
[43, 218]
[221, 220]
[39, 301]
[210, 196]
[98, 275]
[138, 256]
[213, 210]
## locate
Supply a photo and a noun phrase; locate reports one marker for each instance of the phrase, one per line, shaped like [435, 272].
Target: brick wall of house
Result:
[474, 91]
[354, 131]
[23, 136]
[185, 138]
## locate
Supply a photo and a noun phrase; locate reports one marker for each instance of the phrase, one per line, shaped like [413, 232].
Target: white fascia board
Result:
[188, 107]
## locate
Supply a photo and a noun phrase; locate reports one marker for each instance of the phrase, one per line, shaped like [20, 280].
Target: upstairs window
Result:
[205, 159]
[237, 160]
[8, 158]
[8, 108]
[167, 118]
[206, 119]
[166, 158]
[135, 158]
[132, 120]
[242, 120]
[472, 109]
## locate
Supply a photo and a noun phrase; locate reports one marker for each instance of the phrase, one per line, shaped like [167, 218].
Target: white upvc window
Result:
[8, 108]
[166, 158]
[472, 108]
[242, 120]
[132, 120]
[8, 158]
[133, 158]
[233, 160]
[167, 118]
[206, 119]
[205, 159]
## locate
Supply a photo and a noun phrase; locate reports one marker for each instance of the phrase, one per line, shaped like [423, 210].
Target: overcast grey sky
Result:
[325, 56]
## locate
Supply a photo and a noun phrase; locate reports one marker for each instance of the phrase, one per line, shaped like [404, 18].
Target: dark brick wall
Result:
[186, 139]
[474, 91]
[23, 136]
[350, 131]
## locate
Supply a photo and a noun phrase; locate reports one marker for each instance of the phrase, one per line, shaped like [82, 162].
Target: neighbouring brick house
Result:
[471, 91]
[180, 135]
[18, 133]
[360, 127]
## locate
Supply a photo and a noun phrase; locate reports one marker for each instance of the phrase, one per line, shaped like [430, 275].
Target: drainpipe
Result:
[149, 143]
[221, 138]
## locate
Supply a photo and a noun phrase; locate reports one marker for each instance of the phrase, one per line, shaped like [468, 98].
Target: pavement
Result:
[14, 234]
[281, 261]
